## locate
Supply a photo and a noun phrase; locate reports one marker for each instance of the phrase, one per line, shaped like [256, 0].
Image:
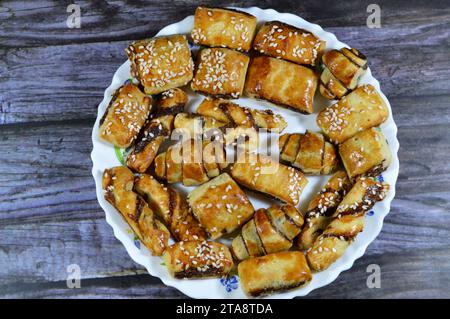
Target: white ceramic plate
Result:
[104, 156]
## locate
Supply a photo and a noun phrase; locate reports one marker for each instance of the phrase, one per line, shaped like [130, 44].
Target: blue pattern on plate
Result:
[371, 213]
[380, 178]
[137, 242]
[230, 283]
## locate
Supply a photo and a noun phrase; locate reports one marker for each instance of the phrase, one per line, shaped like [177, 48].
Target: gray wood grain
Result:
[52, 79]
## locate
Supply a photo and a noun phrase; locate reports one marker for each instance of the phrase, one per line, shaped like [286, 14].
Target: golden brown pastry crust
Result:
[161, 63]
[365, 154]
[342, 69]
[361, 109]
[125, 115]
[308, 152]
[171, 207]
[220, 72]
[198, 259]
[217, 27]
[261, 174]
[269, 231]
[118, 184]
[347, 221]
[322, 207]
[231, 113]
[220, 205]
[281, 82]
[273, 272]
[281, 40]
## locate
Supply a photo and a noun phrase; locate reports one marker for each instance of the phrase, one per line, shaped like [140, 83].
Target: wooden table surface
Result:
[52, 79]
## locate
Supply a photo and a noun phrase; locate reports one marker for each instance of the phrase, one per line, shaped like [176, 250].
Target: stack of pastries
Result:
[278, 247]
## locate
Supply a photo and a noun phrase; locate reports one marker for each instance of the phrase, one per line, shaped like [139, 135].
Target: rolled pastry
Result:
[281, 40]
[118, 185]
[198, 259]
[308, 152]
[217, 27]
[171, 207]
[347, 222]
[281, 82]
[157, 130]
[161, 63]
[274, 272]
[361, 109]
[269, 231]
[125, 115]
[341, 71]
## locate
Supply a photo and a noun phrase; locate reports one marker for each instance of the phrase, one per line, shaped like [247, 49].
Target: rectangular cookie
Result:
[367, 153]
[281, 82]
[125, 115]
[220, 72]
[274, 272]
[281, 40]
[217, 27]
[361, 109]
[220, 205]
[264, 175]
[198, 259]
[161, 63]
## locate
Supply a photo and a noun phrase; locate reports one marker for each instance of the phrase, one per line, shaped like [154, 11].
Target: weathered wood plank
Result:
[77, 75]
[43, 22]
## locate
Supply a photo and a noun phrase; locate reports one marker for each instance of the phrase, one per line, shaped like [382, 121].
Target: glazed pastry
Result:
[281, 40]
[118, 189]
[274, 272]
[220, 72]
[198, 259]
[190, 162]
[262, 174]
[361, 109]
[322, 207]
[269, 231]
[157, 130]
[347, 223]
[125, 115]
[220, 205]
[233, 114]
[308, 152]
[281, 82]
[216, 27]
[171, 207]
[365, 154]
[161, 63]
[341, 71]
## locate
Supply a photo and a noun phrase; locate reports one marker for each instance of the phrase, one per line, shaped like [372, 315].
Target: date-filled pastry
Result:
[118, 189]
[125, 115]
[156, 130]
[220, 205]
[347, 222]
[365, 154]
[274, 272]
[220, 72]
[190, 162]
[231, 113]
[198, 259]
[281, 40]
[281, 82]
[269, 231]
[322, 207]
[216, 27]
[262, 174]
[308, 152]
[361, 109]
[171, 207]
[161, 63]
[341, 71]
